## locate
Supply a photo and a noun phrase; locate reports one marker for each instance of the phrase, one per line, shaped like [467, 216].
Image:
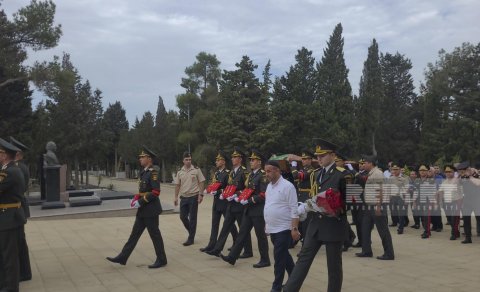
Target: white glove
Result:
[294, 163]
[237, 199]
[134, 205]
[244, 202]
[349, 166]
[231, 198]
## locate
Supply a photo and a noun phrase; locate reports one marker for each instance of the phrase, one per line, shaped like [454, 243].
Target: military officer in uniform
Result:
[12, 216]
[24, 258]
[235, 210]
[302, 180]
[149, 209]
[323, 230]
[253, 216]
[471, 199]
[358, 204]
[398, 192]
[219, 207]
[375, 212]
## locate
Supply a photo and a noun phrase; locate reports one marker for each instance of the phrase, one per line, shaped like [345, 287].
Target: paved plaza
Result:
[69, 255]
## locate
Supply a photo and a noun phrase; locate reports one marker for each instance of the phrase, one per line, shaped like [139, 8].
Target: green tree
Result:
[451, 103]
[370, 99]
[115, 123]
[243, 114]
[334, 93]
[293, 105]
[398, 135]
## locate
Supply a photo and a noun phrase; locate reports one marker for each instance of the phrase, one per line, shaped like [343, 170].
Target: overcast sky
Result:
[135, 51]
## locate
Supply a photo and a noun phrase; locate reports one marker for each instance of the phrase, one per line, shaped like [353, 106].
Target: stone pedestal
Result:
[52, 188]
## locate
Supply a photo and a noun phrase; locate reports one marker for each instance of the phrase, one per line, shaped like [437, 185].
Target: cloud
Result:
[135, 51]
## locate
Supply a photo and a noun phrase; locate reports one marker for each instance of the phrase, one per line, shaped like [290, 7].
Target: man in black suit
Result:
[219, 207]
[323, 229]
[12, 216]
[24, 258]
[253, 216]
[235, 210]
[149, 209]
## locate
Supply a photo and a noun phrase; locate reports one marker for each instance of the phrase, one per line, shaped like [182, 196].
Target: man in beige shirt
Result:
[376, 212]
[189, 185]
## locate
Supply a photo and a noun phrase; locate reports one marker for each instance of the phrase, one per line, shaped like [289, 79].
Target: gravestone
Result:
[51, 170]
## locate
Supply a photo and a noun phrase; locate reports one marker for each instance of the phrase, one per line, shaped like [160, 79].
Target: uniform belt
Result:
[11, 206]
[304, 190]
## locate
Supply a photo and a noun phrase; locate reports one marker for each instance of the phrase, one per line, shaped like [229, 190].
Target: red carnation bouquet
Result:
[245, 195]
[213, 187]
[228, 192]
[329, 203]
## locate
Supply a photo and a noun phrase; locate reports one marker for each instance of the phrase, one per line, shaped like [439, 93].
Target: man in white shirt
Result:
[281, 221]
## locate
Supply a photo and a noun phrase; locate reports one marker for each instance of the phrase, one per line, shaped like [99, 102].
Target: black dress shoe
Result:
[400, 231]
[188, 242]
[364, 254]
[425, 235]
[438, 230]
[25, 278]
[345, 248]
[467, 240]
[358, 244]
[385, 258]
[245, 256]
[393, 225]
[213, 252]
[228, 259]
[157, 264]
[415, 226]
[204, 249]
[261, 264]
[117, 260]
[453, 237]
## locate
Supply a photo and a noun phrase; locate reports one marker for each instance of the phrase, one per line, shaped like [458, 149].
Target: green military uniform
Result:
[149, 209]
[24, 258]
[12, 216]
[323, 230]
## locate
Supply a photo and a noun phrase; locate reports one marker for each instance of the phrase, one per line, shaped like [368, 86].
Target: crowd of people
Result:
[305, 201]
[302, 200]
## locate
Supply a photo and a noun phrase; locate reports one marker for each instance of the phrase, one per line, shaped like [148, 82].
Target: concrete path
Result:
[69, 255]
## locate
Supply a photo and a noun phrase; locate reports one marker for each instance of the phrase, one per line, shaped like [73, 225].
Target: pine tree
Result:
[370, 99]
[334, 93]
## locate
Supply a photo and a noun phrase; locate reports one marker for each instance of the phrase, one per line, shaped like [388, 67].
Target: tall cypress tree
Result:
[334, 92]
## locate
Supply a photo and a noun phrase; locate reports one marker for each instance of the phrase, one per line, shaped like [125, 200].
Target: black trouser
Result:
[393, 211]
[188, 214]
[24, 258]
[305, 260]
[467, 221]
[228, 223]
[216, 216]
[9, 267]
[249, 222]
[283, 260]
[399, 209]
[357, 218]
[417, 213]
[151, 223]
[349, 235]
[452, 210]
[381, 222]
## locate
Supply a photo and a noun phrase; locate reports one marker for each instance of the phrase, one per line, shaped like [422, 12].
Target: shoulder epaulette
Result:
[263, 171]
[227, 170]
[196, 167]
[151, 169]
[243, 167]
[341, 169]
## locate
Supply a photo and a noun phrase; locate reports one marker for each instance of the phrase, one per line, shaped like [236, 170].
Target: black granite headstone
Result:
[52, 188]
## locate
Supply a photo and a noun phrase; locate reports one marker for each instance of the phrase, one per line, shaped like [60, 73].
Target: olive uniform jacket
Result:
[149, 187]
[237, 178]
[221, 177]
[12, 188]
[256, 203]
[324, 228]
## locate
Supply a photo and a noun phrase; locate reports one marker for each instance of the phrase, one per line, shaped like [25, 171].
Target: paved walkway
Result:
[69, 255]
